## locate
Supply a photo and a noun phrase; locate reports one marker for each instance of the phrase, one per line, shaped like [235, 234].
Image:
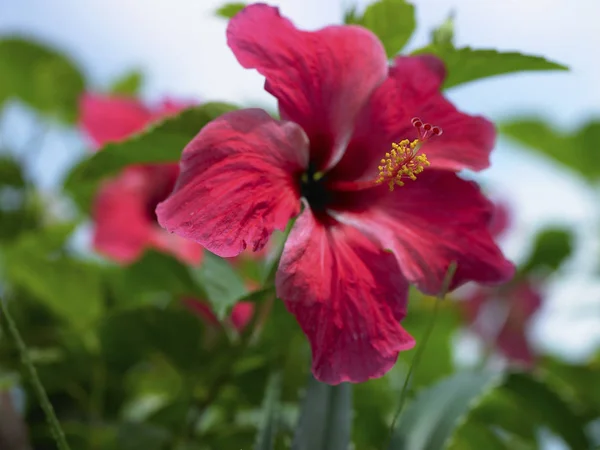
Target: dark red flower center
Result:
[313, 188]
[163, 182]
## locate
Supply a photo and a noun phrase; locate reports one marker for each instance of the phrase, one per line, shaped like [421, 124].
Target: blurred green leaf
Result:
[539, 403]
[577, 150]
[325, 417]
[466, 64]
[162, 142]
[432, 417]
[11, 172]
[128, 336]
[350, 15]
[136, 436]
[229, 10]
[265, 438]
[518, 407]
[476, 436]
[70, 288]
[222, 284]
[152, 276]
[393, 21]
[373, 404]
[443, 36]
[41, 77]
[551, 247]
[129, 84]
[501, 410]
[436, 361]
[576, 382]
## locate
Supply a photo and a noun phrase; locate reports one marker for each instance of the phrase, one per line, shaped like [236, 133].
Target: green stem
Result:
[38, 388]
[421, 348]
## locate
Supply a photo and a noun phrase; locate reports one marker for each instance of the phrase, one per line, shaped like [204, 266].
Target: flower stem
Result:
[11, 329]
[421, 348]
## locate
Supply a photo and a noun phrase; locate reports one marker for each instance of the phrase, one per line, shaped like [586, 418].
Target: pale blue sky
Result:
[180, 45]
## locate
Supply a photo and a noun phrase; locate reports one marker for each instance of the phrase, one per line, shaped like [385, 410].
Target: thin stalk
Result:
[11, 329]
[421, 348]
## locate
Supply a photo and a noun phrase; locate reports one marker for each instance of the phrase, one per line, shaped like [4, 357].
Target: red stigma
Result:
[425, 130]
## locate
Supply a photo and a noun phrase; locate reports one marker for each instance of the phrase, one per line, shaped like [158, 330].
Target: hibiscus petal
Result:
[412, 89]
[427, 224]
[348, 297]
[239, 182]
[122, 226]
[109, 118]
[322, 79]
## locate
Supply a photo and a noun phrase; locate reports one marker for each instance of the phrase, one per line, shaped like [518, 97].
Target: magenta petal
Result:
[122, 226]
[239, 181]
[108, 118]
[412, 89]
[427, 224]
[348, 297]
[322, 79]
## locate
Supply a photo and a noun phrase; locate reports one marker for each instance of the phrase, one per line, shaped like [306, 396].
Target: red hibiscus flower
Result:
[124, 217]
[501, 315]
[356, 243]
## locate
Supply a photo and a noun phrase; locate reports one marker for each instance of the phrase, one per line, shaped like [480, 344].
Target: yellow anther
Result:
[402, 162]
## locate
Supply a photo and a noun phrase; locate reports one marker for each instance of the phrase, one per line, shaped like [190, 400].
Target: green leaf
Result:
[476, 436]
[501, 410]
[325, 417]
[466, 64]
[70, 288]
[437, 360]
[432, 417]
[576, 382]
[151, 276]
[265, 438]
[128, 85]
[373, 404]
[552, 246]
[577, 150]
[162, 142]
[539, 403]
[393, 21]
[229, 10]
[11, 173]
[41, 77]
[443, 36]
[222, 284]
[128, 336]
[136, 436]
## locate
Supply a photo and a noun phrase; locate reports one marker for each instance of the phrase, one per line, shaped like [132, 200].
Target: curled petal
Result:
[348, 297]
[322, 79]
[412, 89]
[239, 181]
[427, 224]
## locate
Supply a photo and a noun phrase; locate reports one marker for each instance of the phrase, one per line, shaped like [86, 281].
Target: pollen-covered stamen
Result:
[404, 161]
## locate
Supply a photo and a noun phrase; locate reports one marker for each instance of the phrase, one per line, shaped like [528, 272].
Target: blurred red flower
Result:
[124, 217]
[501, 315]
[355, 246]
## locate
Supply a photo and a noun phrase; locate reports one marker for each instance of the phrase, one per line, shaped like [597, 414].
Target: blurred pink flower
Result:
[123, 212]
[501, 315]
